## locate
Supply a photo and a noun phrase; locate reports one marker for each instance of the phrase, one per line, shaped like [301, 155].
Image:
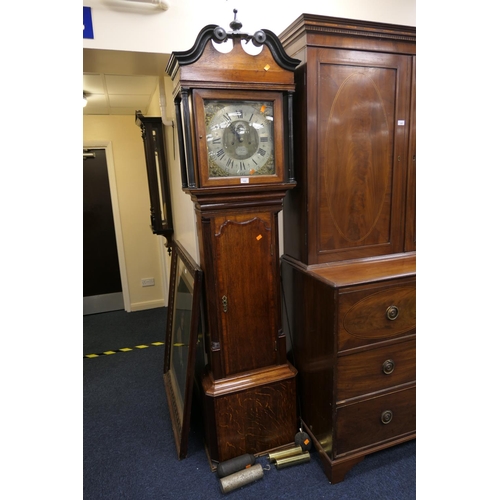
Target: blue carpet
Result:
[129, 450]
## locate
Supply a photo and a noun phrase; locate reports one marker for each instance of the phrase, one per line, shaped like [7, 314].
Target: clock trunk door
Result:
[246, 266]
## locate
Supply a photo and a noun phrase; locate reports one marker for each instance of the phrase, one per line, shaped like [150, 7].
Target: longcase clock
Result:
[234, 115]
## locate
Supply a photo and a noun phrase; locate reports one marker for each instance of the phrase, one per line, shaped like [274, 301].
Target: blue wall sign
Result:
[88, 30]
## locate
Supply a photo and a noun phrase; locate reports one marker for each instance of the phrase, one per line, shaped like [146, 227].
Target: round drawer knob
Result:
[386, 416]
[388, 366]
[392, 313]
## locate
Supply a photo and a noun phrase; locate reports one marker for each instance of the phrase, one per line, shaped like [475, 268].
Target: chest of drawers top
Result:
[351, 273]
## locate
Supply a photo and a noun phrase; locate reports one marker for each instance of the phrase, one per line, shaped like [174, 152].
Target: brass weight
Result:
[294, 460]
[290, 452]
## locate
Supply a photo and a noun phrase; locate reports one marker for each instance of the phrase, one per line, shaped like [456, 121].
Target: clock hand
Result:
[241, 132]
[232, 128]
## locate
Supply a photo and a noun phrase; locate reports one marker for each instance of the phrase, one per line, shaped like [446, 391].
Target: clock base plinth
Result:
[249, 413]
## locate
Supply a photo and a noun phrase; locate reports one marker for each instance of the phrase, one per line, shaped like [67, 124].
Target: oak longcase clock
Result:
[234, 117]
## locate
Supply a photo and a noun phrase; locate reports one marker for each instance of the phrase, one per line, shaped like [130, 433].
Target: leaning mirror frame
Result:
[184, 322]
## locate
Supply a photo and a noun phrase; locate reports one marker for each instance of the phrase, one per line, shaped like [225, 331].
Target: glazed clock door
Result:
[361, 143]
[247, 291]
[240, 137]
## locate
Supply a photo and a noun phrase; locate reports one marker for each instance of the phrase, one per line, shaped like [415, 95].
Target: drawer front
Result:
[376, 313]
[376, 369]
[376, 420]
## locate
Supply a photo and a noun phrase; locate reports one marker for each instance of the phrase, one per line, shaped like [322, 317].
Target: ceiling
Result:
[119, 82]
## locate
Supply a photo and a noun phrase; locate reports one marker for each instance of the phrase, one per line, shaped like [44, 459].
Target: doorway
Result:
[102, 284]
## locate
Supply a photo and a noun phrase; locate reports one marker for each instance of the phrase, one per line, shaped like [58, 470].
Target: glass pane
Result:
[181, 332]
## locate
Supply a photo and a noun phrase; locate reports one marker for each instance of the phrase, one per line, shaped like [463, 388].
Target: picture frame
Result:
[184, 326]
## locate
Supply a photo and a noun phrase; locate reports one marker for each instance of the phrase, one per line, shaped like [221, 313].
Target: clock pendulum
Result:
[234, 115]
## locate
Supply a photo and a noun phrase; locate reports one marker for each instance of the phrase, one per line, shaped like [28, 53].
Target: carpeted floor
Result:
[129, 450]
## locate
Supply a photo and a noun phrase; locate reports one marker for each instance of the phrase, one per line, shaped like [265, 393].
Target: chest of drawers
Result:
[353, 332]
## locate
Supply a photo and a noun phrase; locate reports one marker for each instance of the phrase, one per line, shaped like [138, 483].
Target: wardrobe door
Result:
[360, 143]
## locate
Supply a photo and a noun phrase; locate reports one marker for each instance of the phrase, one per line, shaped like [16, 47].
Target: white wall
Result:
[126, 25]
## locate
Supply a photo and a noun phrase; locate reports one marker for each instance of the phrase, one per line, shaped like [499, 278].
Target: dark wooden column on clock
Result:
[248, 386]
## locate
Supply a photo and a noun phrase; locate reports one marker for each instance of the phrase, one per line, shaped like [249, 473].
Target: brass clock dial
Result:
[240, 138]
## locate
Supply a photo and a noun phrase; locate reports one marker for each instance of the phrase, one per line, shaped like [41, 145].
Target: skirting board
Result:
[103, 303]
[151, 304]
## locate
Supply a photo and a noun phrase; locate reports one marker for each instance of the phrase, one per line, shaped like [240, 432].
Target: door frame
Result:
[165, 269]
[108, 149]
